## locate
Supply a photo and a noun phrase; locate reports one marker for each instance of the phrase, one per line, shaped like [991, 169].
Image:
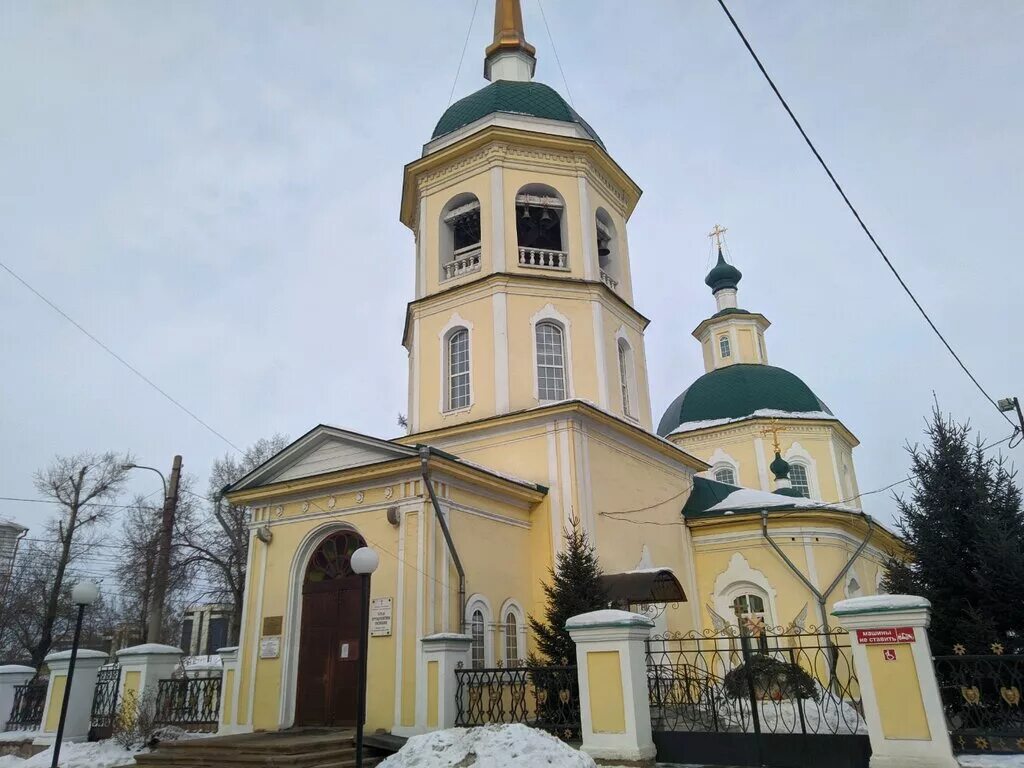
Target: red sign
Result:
[889, 654]
[885, 635]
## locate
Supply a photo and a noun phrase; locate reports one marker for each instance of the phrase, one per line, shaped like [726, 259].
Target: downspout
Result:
[425, 474]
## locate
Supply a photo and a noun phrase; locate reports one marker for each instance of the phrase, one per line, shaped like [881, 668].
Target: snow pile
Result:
[748, 498]
[13, 736]
[492, 746]
[991, 761]
[98, 754]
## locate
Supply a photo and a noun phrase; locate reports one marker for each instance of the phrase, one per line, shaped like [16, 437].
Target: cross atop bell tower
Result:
[509, 57]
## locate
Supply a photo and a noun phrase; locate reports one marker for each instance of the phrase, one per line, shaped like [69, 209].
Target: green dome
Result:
[737, 391]
[722, 275]
[513, 97]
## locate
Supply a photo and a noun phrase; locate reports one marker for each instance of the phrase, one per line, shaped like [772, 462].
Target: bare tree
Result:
[219, 539]
[82, 486]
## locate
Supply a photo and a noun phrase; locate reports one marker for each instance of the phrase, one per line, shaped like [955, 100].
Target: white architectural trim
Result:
[499, 305]
[497, 243]
[565, 480]
[556, 510]
[720, 460]
[511, 605]
[243, 639]
[455, 322]
[835, 470]
[762, 464]
[414, 390]
[400, 615]
[549, 313]
[622, 337]
[420, 705]
[421, 250]
[480, 602]
[257, 629]
[599, 362]
[736, 578]
[797, 454]
[587, 230]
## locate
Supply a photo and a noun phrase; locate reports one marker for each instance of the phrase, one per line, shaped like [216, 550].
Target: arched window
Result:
[626, 373]
[478, 649]
[550, 361]
[460, 236]
[511, 639]
[540, 228]
[724, 346]
[749, 608]
[725, 474]
[607, 247]
[457, 369]
[798, 479]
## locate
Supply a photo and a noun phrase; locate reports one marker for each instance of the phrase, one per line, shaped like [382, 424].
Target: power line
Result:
[463, 56]
[856, 215]
[116, 356]
[554, 50]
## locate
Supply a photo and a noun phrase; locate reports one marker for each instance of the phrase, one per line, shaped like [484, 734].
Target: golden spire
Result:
[508, 29]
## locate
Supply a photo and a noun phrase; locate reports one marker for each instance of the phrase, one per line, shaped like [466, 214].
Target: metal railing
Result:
[542, 258]
[982, 699]
[541, 697]
[27, 710]
[191, 703]
[104, 702]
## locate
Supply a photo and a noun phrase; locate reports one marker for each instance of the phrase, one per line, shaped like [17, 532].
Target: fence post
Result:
[10, 676]
[87, 668]
[611, 659]
[229, 669]
[893, 661]
[142, 668]
[442, 654]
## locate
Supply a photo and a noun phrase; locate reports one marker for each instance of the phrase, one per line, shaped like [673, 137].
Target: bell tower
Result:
[523, 293]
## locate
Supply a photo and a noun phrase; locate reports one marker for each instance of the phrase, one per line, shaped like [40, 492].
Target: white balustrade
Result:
[542, 258]
[608, 280]
[466, 260]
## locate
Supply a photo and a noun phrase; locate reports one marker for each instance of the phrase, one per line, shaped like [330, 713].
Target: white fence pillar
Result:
[893, 661]
[11, 675]
[83, 686]
[442, 654]
[611, 660]
[142, 668]
[229, 671]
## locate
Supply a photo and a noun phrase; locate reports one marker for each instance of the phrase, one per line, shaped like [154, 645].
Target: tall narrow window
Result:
[511, 640]
[458, 369]
[798, 479]
[476, 632]
[725, 346]
[550, 362]
[626, 376]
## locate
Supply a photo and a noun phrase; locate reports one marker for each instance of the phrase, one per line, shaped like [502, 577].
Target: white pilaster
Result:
[447, 650]
[76, 724]
[497, 219]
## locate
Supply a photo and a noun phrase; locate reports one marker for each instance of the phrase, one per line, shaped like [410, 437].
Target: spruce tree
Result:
[574, 588]
[963, 527]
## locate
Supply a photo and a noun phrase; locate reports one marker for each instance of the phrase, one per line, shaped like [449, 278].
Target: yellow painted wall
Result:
[898, 691]
[56, 701]
[132, 680]
[607, 705]
[432, 689]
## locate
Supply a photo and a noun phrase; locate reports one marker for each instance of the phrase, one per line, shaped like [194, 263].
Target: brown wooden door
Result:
[329, 654]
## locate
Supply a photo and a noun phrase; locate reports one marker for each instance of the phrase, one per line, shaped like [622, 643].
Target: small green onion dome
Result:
[512, 97]
[779, 467]
[722, 275]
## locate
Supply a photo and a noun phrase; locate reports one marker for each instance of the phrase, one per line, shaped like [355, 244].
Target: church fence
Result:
[104, 702]
[981, 698]
[191, 703]
[542, 697]
[29, 702]
[785, 695]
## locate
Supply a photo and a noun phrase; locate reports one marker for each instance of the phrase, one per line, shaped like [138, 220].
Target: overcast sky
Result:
[212, 189]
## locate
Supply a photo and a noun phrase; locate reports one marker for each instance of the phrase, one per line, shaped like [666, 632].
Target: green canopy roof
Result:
[512, 97]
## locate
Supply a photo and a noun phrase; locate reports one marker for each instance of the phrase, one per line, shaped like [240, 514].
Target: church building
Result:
[529, 411]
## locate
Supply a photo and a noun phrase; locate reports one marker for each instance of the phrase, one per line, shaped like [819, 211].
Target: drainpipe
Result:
[425, 474]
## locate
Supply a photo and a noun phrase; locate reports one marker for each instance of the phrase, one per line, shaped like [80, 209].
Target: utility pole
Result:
[163, 561]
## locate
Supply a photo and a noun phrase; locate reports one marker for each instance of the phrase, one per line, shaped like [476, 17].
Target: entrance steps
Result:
[299, 748]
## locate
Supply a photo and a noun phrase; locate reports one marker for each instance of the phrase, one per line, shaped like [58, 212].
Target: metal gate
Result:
[104, 702]
[760, 698]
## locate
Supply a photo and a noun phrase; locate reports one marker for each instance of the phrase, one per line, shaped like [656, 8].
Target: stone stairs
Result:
[300, 748]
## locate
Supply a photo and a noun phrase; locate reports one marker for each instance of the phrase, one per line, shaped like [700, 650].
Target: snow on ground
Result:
[99, 754]
[8, 736]
[492, 746]
[991, 761]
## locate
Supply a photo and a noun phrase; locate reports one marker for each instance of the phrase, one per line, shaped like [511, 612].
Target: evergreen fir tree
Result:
[963, 527]
[574, 588]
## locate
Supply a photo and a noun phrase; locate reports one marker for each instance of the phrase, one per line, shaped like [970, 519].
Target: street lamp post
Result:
[364, 562]
[83, 594]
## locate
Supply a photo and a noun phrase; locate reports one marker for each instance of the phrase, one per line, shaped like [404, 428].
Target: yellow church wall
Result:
[745, 337]
[623, 272]
[614, 323]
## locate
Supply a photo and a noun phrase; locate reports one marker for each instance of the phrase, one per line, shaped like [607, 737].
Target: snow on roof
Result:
[762, 413]
[82, 653]
[137, 650]
[748, 498]
[879, 603]
[608, 618]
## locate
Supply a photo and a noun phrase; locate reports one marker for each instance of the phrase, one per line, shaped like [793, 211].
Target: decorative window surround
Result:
[478, 602]
[797, 454]
[455, 322]
[722, 460]
[513, 607]
[627, 375]
[550, 314]
[739, 578]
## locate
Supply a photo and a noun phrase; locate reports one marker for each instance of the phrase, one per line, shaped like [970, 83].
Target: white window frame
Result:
[478, 602]
[724, 466]
[725, 346]
[627, 375]
[807, 475]
[549, 314]
[512, 606]
[722, 460]
[455, 322]
[450, 374]
[797, 454]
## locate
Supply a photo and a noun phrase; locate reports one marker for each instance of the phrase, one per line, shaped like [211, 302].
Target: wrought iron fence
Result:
[541, 697]
[27, 709]
[981, 696]
[784, 681]
[191, 703]
[104, 702]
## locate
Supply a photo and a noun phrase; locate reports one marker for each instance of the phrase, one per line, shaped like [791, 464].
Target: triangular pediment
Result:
[320, 451]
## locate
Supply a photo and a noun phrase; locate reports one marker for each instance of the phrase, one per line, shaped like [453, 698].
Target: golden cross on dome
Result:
[717, 233]
[773, 429]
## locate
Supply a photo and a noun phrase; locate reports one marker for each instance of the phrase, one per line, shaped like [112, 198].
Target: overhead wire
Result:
[856, 214]
[465, 45]
[554, 50]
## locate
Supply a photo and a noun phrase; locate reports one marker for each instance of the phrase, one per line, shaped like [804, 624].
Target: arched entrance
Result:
[329, 640]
